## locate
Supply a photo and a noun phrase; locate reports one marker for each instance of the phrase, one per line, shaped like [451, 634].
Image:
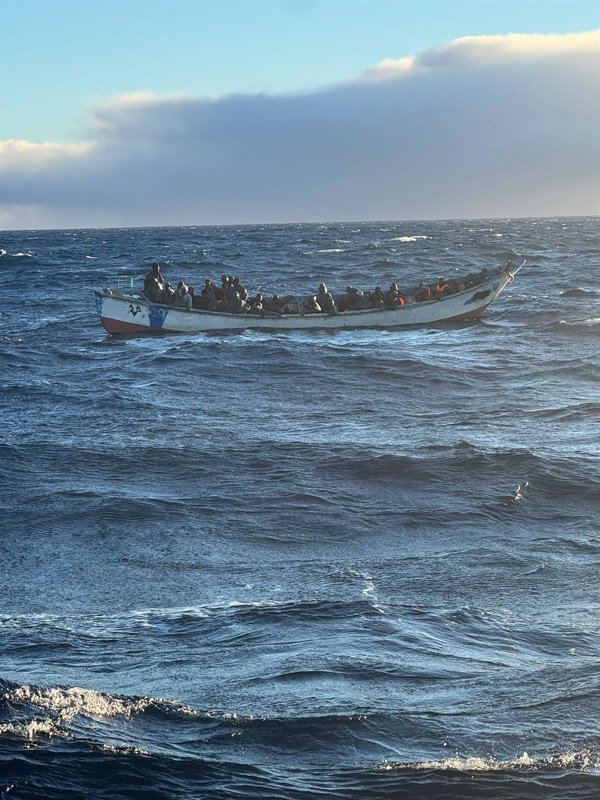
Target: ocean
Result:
[307, 565]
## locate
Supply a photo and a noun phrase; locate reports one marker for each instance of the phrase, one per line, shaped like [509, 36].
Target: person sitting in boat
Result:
[377, 298]
[325, 300]
[195, 300]
[355, 300]
[182, 298]
[236, 305]
[291, 305]
[208, 301]
[240, 288]
[230, 295]
[168, 295]
[220, 291]
[441, 286]
[423, 293]
[391, 296]
[312, 306]
[209, 286]
[274, 305]
[257, 307]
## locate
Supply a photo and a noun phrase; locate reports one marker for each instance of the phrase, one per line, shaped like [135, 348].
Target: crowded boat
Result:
[231, 296]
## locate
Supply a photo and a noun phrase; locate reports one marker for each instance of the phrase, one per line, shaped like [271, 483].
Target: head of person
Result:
[156, 268]
[322, 289]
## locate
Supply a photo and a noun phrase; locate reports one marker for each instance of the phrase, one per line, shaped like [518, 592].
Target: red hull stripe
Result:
[475, 314]
[116, 326]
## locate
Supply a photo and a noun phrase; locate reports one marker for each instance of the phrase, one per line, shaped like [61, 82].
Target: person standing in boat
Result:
[154, 284]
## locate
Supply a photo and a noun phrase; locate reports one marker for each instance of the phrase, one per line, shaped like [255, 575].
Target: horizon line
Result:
[290, 223]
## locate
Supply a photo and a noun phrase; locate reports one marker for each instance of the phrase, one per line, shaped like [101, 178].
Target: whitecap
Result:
[408, 238]
[589, 322]
[68, 703]
[31, 729]
[577, 760]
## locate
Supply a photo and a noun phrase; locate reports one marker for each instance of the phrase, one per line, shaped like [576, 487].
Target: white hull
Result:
[131, 313]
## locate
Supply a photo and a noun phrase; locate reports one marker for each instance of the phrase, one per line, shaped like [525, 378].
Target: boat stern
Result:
[128, 313]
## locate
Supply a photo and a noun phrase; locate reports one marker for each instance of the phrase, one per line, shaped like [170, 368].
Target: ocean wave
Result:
[579, 293]
[224, 617]
[16, 258]
[51, 711]
[581, 760]
[589, 325]
[409, 238]
[69, 702]
[571, 412]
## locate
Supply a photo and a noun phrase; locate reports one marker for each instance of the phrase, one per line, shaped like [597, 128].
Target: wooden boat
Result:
[131, 312]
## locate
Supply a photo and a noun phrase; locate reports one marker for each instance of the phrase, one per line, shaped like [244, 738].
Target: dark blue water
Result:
[308, 565]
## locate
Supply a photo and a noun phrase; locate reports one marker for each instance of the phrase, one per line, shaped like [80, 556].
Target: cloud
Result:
[484, 126]
[474, 52]
[19, 154]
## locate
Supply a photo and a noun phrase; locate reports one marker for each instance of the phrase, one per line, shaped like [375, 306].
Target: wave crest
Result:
[579, 761]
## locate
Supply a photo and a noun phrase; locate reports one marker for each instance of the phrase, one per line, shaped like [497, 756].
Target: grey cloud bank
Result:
[490, 126]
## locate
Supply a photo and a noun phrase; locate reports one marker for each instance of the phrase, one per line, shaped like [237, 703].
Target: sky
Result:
[151, 112]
